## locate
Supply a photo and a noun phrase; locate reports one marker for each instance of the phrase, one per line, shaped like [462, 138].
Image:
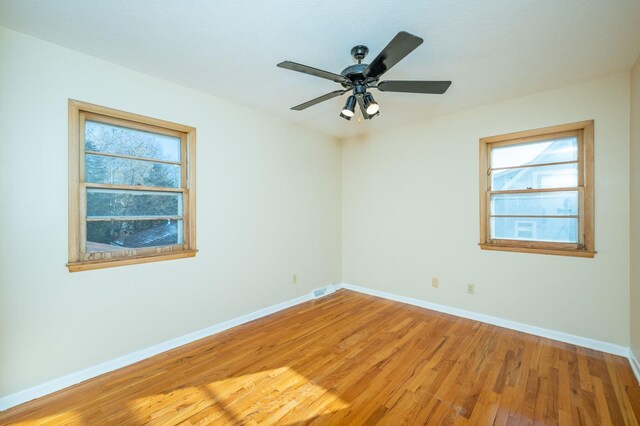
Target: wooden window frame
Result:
[79, 259]
[586, 228]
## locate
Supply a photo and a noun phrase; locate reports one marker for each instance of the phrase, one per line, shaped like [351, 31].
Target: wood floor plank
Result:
[355, 359]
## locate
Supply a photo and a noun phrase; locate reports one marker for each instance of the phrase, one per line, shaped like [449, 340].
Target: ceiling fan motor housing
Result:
[354, 73]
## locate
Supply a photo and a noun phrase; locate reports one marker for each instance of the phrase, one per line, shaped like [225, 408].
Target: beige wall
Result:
[410, 212]
[390, 211]
[268, 206]
[635, 209]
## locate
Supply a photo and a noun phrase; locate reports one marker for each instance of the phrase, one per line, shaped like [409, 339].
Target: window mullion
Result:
[131, 187]
[125, 218]
[526, 166]
[541, 216]
[539, 190]
[132, 157]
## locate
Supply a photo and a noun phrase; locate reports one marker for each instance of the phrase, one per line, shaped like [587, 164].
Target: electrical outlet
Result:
[435, 282]
[294, 278]
[471, 289]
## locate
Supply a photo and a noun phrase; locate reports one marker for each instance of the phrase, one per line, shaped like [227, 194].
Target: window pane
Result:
[99, 169]
[539, 177]
[536, 204]
[118, 234]
[539, 152]
[121, 140]
[559, 230]
[103, 202]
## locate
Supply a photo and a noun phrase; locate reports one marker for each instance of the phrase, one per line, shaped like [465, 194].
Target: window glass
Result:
[564, 203]
[539, 152]
[123, 171]
[559, 230]
[537, 177]
[112, 235]
[106, 202]
[107, 138]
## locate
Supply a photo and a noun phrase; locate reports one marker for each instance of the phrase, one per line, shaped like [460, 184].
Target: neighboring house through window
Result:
[536, 191]
[131, 188]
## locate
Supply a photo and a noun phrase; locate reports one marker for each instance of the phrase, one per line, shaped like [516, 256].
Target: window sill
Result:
[100, 264]
[550, 251]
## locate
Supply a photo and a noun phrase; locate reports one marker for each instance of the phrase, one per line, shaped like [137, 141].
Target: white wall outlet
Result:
[294, 278]
[435, 282]
[471, 289]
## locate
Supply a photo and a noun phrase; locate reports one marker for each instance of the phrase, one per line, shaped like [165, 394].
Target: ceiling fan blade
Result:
[317, 100]
[399, 47]
[433, 87]
[362, 108]
[313, 71]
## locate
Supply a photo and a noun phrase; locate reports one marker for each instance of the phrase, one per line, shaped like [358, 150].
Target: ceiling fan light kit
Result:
[370, 104]
[349, 109]
[358, 78]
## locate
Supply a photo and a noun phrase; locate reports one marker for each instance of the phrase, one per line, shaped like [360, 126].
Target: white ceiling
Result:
[490, 49]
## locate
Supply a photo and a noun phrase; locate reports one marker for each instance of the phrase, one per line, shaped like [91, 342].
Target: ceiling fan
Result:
[359, 78]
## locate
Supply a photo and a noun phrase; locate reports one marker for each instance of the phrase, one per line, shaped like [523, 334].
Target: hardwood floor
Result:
[355, 359]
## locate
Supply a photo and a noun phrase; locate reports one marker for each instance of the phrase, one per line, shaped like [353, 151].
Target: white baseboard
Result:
[635, 365]
[513, 325]
[105, 367]
[123, 361]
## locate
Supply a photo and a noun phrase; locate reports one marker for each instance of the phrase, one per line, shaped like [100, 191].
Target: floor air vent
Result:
[323, 291]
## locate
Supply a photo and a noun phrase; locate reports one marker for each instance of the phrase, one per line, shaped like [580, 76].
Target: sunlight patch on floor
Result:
[269, 395]
[263, 397]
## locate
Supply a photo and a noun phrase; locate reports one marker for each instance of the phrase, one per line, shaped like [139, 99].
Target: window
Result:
[536, 191]
[131, 188]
